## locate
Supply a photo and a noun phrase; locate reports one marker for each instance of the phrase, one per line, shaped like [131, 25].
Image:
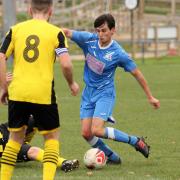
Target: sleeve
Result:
[62, 44]
[81, 37]
[125, 61]
[7, 44]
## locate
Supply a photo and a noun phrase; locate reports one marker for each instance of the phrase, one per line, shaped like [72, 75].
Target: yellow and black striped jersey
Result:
[34, 45]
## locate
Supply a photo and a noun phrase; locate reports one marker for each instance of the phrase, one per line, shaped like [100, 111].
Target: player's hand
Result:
[74, 88]
[8, 77]
[67, 32]
[4, 96]
[154, 102]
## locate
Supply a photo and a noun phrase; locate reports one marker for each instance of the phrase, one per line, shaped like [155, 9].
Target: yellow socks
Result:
[8, 159]
[40, 155]
[60, 161]
[50, 159]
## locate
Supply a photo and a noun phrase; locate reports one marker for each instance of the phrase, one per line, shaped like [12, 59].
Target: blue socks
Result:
[96, 142]
[117, 135]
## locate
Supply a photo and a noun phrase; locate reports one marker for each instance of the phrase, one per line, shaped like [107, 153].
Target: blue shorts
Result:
[97, 103]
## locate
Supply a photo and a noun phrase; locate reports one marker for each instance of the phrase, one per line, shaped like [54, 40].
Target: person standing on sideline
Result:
[102, 56]
[34, 45]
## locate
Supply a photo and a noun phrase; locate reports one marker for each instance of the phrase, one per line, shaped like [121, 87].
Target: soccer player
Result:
[33, 153]
[28, 152]
[33, 44]
[102, 56]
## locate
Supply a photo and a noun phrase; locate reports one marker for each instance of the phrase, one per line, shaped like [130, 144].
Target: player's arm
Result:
[79, 37]
[142, 81]
[66, 64]
[67, 32]
[67, 69]
[3, 82]
[129, 66]
[6, 50]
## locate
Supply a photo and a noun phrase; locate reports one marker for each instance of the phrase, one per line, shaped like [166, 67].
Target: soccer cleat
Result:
[114, 159]
[111, 120]
[69, 165]
[142, 147]
[115, 162]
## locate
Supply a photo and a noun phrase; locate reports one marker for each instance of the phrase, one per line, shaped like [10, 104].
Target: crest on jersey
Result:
[108, 56]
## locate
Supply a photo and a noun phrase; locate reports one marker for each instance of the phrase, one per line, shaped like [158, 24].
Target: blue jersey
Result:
[101, 62]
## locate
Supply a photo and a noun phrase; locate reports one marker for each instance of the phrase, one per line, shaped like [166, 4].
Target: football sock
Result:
[60, 161]
[40, 155]
[120, 136]
[96, 142]
[50, 159]
[8, 160]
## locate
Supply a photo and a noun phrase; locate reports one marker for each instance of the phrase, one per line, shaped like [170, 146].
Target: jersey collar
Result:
[105, 47]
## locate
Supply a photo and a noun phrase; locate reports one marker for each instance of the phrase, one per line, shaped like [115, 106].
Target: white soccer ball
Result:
[94, 158]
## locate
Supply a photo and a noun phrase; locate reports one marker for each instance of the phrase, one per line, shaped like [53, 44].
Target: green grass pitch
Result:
[134, 115]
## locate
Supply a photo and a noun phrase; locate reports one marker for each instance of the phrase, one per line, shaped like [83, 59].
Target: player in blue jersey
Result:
[102, 56]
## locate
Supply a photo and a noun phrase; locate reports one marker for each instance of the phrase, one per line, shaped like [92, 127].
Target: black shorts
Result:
[46, 116]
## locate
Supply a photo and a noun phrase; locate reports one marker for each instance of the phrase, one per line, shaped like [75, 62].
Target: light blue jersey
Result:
[101, 62]
[98, 96]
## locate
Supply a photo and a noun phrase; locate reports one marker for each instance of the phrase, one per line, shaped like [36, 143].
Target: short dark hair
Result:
[41, 5]
[105, 18]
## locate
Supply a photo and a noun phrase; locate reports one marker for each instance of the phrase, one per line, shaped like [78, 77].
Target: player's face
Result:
[105, 34]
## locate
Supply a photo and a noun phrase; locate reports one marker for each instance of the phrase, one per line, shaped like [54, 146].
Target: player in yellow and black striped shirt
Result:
[33, 153]
[28, 152]
[33, 44]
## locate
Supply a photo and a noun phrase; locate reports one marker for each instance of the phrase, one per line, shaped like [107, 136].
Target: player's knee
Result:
[97, 131]
[86, 134]
[51, 135]
[18, 136]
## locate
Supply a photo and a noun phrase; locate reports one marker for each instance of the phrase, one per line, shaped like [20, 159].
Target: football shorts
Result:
[97, 103]
[46, 117]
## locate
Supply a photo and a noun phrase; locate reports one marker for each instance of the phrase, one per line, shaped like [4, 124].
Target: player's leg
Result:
[36, 154]
[99, 130]
[86, 114]
[138, 143]
[102, 112]
[47, 121]
[51, 154]
[9, 156]
[97, 142]
[16, 121]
